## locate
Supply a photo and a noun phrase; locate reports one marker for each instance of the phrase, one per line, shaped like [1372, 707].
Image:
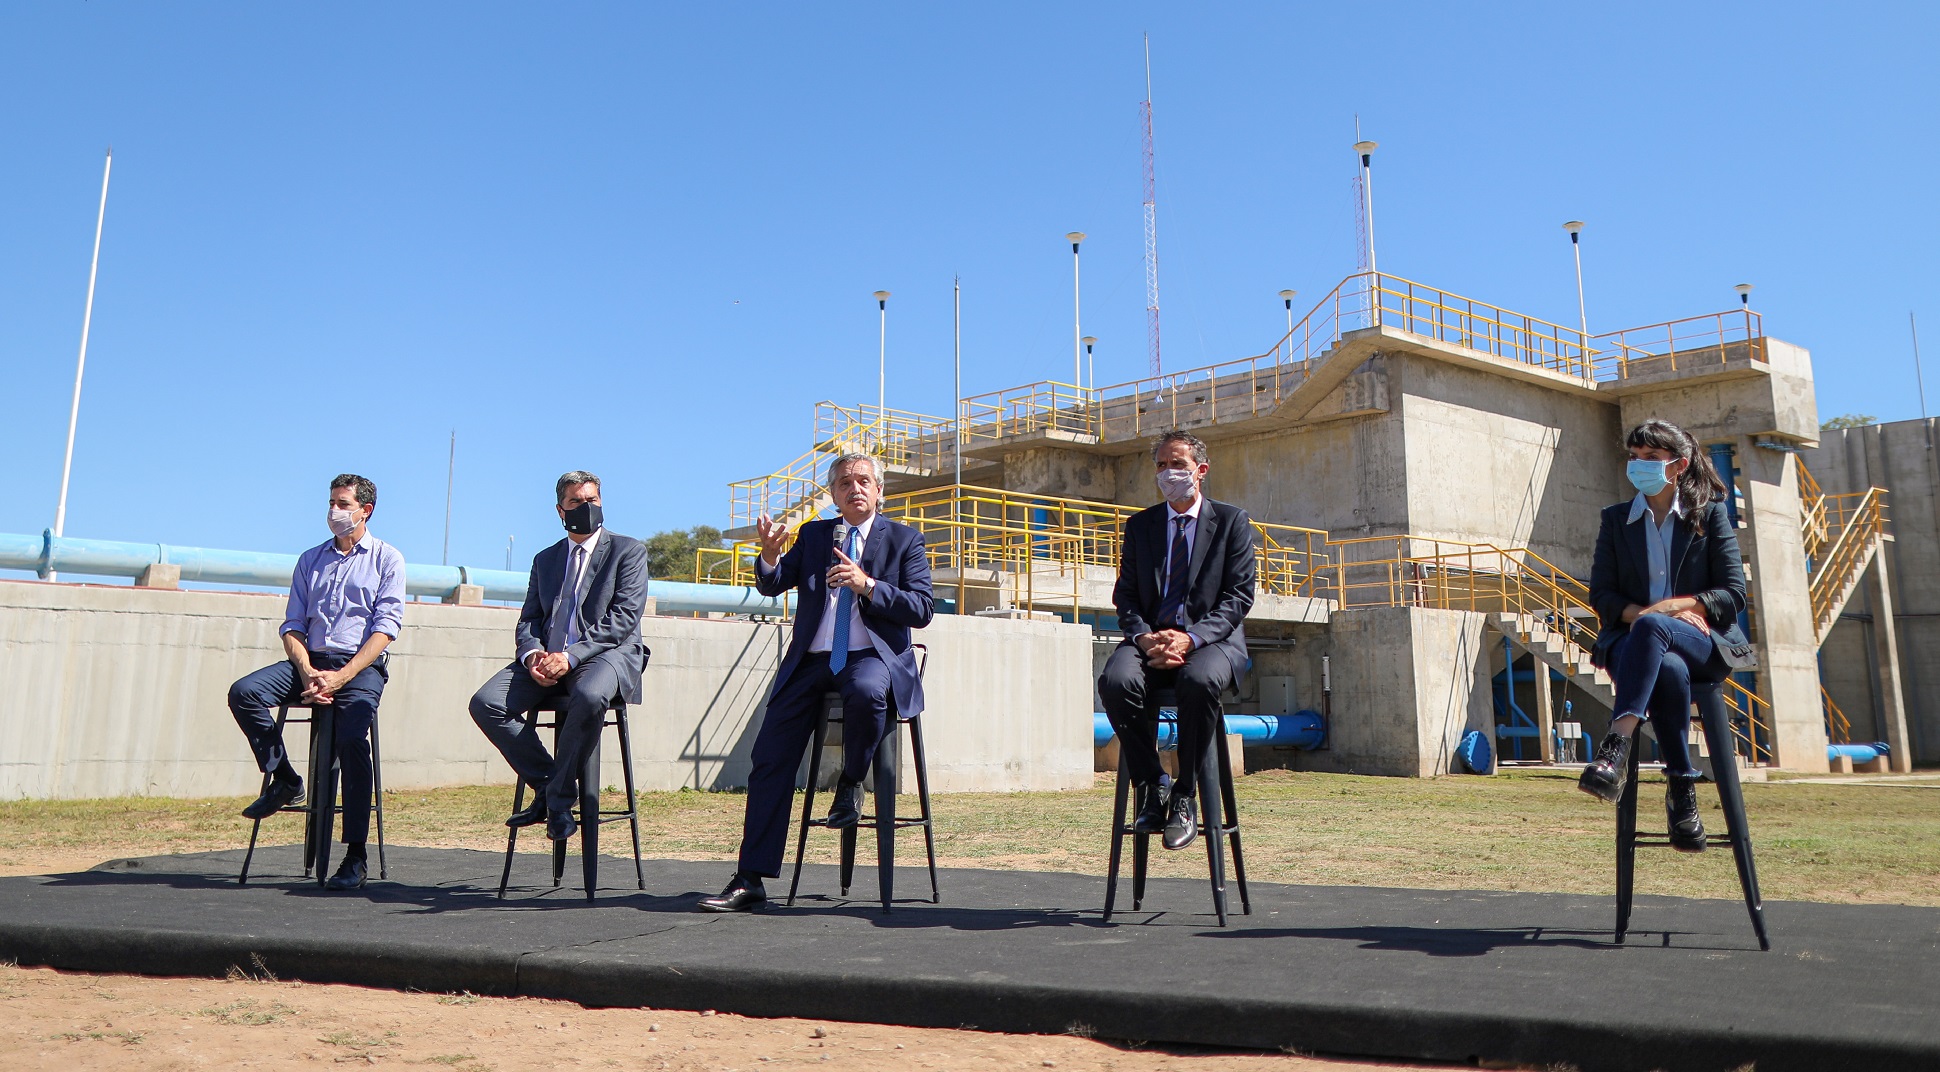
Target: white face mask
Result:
[1177, 485]
[344, 522]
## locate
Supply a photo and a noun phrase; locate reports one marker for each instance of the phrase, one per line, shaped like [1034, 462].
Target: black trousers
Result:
[1126, 683]
[784, 735]
[501, 704]
[252, 699]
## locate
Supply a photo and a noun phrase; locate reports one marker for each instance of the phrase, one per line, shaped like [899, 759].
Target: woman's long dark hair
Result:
[1699, 484]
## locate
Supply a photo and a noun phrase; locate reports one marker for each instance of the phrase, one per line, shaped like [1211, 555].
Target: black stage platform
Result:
[1421, 974]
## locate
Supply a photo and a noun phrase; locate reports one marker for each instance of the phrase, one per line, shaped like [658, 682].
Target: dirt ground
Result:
[64, 1022]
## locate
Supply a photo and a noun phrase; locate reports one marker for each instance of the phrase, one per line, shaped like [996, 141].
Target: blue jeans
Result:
[252, 697]
[1653, 666]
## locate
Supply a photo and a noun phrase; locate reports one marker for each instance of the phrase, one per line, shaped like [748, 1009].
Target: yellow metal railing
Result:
[793, 494]
[1857, 521]
[1812, 514]
[1693, 342]
[1477, 325]
[1410, 571]
[1036, 550]
[1838, 728]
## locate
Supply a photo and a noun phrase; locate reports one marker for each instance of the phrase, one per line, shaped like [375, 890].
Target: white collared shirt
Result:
[577, 583]
[825, 631]
[1657, 543]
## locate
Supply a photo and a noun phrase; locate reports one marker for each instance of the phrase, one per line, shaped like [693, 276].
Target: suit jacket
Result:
[1219, 581]
[895, 557]
[1704, 564]
[615, 596]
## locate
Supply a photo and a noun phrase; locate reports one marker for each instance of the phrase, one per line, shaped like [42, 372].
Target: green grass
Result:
[1520, 830]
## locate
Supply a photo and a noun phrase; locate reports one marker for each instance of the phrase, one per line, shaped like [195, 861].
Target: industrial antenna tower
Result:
[1151, 221]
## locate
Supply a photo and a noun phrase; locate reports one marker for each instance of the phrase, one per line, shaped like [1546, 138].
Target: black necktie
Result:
[1172, 607]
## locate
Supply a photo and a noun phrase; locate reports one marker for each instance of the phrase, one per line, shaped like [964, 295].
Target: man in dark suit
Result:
[865, 583]
[1185, 583]
[578, 638]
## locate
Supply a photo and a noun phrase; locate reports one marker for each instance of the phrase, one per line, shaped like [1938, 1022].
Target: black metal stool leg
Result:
[1627, 843]
[377, 795]
[808, 797]
[256, 825]
[1231, 801]
[1119, 792]
[589, 818]
[1724, 770]
[1212, 826]
[886, 813]
[632, 802]
[323, 796]
[923, 800]
[511, 837]
[558, 847]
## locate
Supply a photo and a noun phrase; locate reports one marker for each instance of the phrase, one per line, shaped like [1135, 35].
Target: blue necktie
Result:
[844, 608]
[1172, 605]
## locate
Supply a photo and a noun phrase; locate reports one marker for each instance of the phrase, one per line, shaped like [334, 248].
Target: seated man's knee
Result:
[1200, 682]
[593, 692]
[865, 687]
[485, 707]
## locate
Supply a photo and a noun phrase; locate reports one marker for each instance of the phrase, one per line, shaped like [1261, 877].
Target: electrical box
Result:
[1276, 696]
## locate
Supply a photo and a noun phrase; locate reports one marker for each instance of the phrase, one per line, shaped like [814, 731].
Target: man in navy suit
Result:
[865, 583]
[578, 639]
[1185, 583]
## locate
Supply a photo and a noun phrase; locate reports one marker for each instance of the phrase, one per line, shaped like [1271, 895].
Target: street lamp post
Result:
[1091, 366]
[1286, 296]
[1077, 365]
[1744, 302]
[1366, 151]
[882, 353]
[81, 362]
[1575, 228]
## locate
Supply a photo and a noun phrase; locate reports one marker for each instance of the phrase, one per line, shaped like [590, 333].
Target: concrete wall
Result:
[1896, 457]
[109, 691]
[1408, 683]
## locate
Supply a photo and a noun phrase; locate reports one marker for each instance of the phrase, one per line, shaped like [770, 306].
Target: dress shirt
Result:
[338, 600]
[1657, 543]
[576, 584]
[824, 639]
[1172, 516]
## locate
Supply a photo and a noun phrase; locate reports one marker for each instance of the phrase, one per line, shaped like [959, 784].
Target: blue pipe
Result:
[1302, 730]
[113, 558]
[1859, 753]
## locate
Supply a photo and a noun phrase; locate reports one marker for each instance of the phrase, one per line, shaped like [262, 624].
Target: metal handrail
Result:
[792, 493]
[1812, 512]
[1695, 341]
[1838, 728]
[1859, 520]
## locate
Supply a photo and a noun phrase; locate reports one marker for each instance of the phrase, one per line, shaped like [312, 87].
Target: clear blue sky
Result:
[642, 240]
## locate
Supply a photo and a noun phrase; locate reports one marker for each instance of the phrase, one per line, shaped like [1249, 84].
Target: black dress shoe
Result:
[350, 876]
[1604, 777]
[560, 826]
[1151, 810]
[1681, 811]
[742, 894]
[279, 795]
[531, 815]
[1181, 821]
[846, 811]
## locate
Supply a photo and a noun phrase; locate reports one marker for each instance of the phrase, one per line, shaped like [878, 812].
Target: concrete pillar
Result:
[1781, 594]
[1886, 655]
[160, 575]
[1408, 682]
[466, 595]
[1545, 709]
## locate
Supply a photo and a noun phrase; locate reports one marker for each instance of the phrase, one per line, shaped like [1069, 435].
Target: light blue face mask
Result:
[1647, 476]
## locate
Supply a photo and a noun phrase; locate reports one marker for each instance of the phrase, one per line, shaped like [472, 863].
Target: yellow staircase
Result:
[1842, 535]
[907, 443]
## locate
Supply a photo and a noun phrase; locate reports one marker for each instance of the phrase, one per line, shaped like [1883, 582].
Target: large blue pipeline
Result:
[1302, 730]
[48, 553]
[1858, 753]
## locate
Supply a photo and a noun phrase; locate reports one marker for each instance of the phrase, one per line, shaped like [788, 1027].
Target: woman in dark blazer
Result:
[1668, 585]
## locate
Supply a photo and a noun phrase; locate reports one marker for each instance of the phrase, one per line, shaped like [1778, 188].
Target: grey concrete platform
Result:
[1420, 974]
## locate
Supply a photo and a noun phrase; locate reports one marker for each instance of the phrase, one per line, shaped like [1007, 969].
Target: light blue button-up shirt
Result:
[1657, 543]
[337, 601]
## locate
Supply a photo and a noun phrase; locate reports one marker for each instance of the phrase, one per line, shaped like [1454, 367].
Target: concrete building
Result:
[1443, 460]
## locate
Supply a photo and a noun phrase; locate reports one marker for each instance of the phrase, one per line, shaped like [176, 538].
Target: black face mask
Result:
[584, 519]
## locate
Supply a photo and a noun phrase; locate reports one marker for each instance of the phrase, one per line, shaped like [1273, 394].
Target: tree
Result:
[1848, 420]
[670, 554]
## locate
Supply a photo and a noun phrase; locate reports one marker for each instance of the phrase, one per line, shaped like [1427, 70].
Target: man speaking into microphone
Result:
[1185, 583]
[865, 583]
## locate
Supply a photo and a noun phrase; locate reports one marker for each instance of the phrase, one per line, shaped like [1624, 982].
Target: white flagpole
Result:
[81, 362]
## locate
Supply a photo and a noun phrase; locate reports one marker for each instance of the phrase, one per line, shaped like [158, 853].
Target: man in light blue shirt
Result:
[346, 606]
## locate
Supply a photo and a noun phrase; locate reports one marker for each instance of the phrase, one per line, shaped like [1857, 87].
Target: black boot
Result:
[846, 810]
[1151, 809]
[1681, 811]
[1604, 777]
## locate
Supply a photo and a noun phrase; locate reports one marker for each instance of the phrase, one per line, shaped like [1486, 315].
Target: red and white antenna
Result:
[1151, 221]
